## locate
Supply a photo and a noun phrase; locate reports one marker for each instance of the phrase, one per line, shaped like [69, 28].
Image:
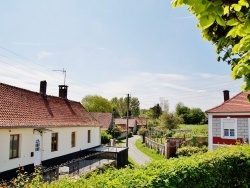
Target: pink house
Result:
[229, 122]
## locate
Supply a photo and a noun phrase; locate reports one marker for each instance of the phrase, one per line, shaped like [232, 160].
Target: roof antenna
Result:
[64, 72]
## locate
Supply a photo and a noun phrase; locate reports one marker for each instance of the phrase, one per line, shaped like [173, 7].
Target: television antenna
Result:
[64, 72]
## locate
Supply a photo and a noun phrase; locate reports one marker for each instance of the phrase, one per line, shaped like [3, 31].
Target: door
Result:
[38, 150]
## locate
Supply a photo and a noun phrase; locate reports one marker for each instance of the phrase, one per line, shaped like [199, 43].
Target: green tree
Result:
[96, 103]
[196, 115]
[225, 23]
[116, 131]
[169, 121]
[183, 112]
[156, 111]
[135, 107]
[114, 103]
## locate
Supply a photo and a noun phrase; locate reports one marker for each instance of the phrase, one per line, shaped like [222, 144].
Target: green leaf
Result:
[220, 21]
[237, 7]
[232, 22]
[236, 48]
[244, 3]
[232, 33]
[206, 21]
[226, 10]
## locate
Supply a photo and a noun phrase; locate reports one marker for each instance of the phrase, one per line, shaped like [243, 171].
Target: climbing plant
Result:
[226, 24]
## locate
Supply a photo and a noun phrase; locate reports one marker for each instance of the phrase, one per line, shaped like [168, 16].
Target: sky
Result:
[112, 48]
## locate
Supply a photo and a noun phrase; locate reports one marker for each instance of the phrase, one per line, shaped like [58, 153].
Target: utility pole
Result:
[127, 120]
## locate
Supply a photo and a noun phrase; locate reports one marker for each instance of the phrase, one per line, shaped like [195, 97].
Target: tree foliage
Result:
[190, 115]
[96, 103]
[170, 121]
[155, 111]
[225, 23]
[120, 106]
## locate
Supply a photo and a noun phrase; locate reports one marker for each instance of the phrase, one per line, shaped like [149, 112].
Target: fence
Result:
[168, 149]
[93, 159]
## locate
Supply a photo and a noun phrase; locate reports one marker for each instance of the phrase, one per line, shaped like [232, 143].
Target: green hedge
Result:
[190, 150]
[225, 167]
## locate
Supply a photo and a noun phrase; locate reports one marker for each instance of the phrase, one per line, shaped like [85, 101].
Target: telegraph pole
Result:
[127, 120]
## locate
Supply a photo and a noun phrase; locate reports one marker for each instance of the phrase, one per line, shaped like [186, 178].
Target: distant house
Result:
[134, 124]
[38, 128]
[230, 121]
[122, 122]
[141, 122]
[106, 120]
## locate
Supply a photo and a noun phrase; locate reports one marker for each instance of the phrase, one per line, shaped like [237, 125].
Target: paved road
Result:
[135, 154]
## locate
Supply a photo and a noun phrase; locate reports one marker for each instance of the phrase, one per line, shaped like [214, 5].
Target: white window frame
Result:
[229, 123]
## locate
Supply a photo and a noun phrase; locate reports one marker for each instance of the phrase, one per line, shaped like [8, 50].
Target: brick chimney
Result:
[43, 87]
[63, 90]
[226, 95]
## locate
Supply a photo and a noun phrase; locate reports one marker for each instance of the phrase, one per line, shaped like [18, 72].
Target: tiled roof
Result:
[141, 121]
[105, 119]
[236, 104]
[24, 108]
[120, 121]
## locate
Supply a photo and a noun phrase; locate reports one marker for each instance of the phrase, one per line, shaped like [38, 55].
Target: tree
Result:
[197, 116]
[183, 112]
[120, 106]
[135, 106]
[225, 23]
[96, 103]
[169, 121]
[114, 104]
[156, 111]
[116, 131]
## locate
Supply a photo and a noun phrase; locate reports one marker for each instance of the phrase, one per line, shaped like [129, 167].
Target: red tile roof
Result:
[236, 104]
[105, 119]
[120, 121]
[141, 121]
[24, 108]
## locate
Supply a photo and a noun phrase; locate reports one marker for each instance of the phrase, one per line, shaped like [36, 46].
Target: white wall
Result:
[64, 140]
[25, 148]
[27, 144]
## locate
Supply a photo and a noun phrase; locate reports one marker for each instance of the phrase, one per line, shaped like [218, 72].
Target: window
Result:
[54, 142]
[89, 138]
[73, 139]
[229, 128]
[14, 146]
[37, 145]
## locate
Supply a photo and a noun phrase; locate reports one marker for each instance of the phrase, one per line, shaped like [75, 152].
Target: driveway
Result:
[136, 155]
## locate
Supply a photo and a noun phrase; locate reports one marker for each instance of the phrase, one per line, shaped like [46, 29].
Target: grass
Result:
[149, 152]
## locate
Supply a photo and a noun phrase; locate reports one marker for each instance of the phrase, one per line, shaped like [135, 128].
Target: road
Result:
[136, 155]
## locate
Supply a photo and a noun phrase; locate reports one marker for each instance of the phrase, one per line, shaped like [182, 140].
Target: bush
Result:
[105, 137]
[190, 150]
[224, 167]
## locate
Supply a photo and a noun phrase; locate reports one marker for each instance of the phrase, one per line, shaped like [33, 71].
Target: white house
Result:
[37, 128]
[229, 122]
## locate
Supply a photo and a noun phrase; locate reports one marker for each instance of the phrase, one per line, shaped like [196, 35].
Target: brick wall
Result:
[242, 131]
[216, 127]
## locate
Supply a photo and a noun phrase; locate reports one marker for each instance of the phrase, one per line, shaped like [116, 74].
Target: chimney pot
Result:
[43, 87]
[226, 95]
[63, 90]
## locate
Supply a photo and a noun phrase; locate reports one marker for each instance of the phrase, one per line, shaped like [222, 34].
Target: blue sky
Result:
[111, 48]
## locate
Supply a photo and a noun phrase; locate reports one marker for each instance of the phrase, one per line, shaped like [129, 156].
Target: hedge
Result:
[224, 167]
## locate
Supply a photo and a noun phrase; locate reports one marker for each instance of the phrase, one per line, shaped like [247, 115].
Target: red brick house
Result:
[230, 121]
[38, 128]
[134, 124]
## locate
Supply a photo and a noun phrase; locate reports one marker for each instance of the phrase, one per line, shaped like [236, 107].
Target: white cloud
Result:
[44, 55]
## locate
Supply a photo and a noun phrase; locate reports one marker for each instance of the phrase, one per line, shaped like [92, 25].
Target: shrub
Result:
[190, 150]
[105, 137]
